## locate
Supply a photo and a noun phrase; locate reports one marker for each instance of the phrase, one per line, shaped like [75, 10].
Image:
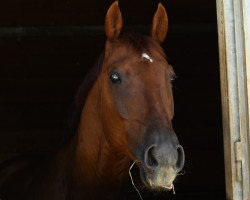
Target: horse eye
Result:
[115, 78]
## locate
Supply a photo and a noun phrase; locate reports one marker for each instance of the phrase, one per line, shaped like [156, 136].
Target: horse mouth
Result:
[158, 180]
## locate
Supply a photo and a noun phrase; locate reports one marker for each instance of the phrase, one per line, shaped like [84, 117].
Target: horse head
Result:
[137, 100]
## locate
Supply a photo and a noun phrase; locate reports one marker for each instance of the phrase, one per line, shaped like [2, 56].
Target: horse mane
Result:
[82, 94]
[136, 42]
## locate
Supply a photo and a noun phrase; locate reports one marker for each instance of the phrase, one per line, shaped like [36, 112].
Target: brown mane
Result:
[81, 96]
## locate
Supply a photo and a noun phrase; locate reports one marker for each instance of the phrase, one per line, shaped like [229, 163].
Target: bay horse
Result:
[126, 118]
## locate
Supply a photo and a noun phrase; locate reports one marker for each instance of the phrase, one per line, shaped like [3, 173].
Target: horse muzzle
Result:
[161, 162]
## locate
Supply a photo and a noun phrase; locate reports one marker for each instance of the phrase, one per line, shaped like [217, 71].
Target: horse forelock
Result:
[141, 44]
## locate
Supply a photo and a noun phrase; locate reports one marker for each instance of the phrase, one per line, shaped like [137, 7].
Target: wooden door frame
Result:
[233, 18]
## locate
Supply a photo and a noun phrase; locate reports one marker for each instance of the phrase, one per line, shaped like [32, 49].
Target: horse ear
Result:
[160, 24]
[113, 23]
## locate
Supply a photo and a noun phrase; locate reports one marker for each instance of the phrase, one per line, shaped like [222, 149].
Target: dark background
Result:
[47, 47]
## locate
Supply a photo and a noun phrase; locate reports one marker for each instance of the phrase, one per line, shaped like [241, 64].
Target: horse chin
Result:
[158, 180]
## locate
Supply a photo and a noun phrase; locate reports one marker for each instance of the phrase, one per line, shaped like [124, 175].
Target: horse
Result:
[125, 118]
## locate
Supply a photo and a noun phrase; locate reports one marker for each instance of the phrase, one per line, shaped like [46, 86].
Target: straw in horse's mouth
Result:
[132, 181]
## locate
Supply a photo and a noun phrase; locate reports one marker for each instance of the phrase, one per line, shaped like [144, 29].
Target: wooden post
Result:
[234, 47]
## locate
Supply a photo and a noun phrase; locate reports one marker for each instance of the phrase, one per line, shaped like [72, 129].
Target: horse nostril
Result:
[181, 158]
[150, 159]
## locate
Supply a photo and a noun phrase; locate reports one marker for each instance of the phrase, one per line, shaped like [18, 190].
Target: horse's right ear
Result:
[113, 23]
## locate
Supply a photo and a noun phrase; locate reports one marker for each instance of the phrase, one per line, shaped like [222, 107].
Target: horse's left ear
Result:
[113, 23]
[159, 27]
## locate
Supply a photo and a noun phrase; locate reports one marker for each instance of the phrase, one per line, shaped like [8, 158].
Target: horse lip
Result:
[161, 187]
[150, 183]
[169, 187]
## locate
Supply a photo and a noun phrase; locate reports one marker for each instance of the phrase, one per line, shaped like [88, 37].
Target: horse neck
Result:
[95, 162]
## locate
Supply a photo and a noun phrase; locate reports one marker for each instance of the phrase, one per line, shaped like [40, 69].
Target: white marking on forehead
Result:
[147, 57]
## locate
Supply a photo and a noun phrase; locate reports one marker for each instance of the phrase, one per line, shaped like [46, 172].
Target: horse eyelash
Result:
[173, 77]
